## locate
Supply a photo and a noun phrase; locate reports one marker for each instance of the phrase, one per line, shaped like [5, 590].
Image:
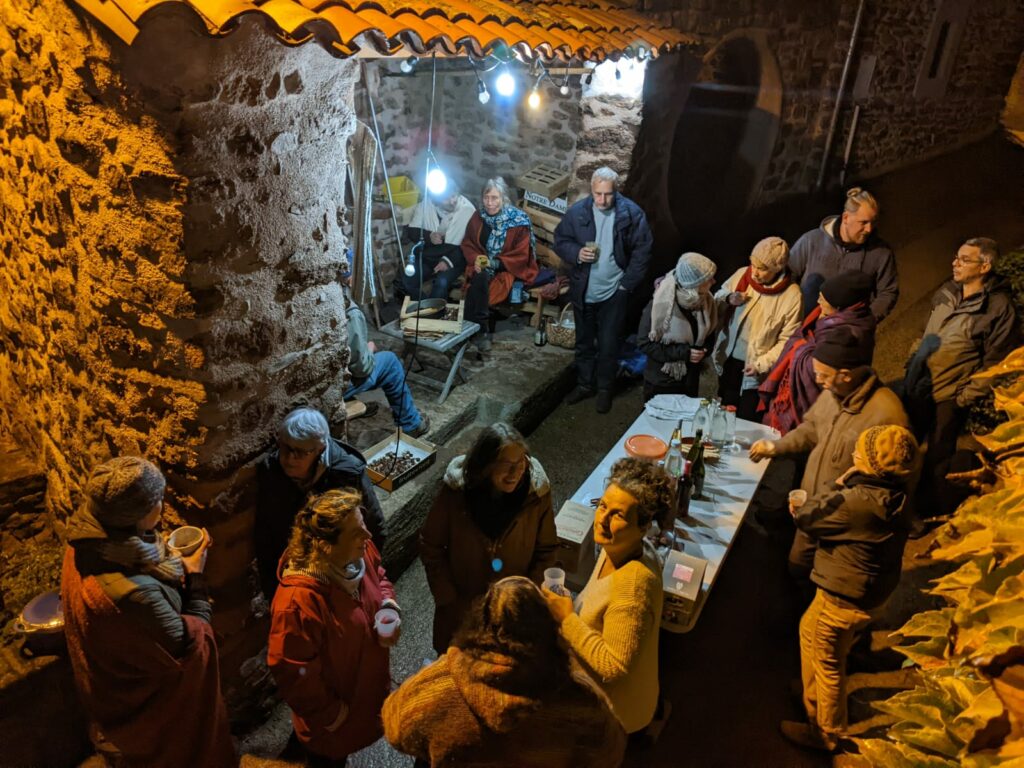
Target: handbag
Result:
[563, 333]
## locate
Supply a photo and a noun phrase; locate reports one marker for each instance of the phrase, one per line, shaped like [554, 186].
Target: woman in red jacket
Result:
[499, 249]
[330, 665]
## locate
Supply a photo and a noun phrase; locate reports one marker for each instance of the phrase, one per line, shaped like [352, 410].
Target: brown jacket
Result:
[831, 427]
[459, 557]
[482, 709]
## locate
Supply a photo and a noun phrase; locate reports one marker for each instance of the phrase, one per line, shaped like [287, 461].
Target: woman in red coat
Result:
[331, 667]
[499, 249]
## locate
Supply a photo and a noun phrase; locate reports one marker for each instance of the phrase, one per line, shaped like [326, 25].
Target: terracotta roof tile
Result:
[587, 29]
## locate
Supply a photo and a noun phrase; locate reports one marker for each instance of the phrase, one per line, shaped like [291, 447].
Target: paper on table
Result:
[672, 407]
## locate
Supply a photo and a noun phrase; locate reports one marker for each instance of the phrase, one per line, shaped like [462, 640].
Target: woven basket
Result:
[563, 333]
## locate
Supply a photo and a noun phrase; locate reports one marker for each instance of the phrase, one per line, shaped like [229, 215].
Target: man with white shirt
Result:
[440, 223]
[605, 240]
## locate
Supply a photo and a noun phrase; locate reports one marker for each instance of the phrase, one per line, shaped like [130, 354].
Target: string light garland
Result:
[408, 65]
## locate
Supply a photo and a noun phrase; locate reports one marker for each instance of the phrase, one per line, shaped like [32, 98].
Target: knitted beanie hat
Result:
[692, 269]
[842, 348]
[771, 253]
[848, 288]
[122, 491]
[888, 450]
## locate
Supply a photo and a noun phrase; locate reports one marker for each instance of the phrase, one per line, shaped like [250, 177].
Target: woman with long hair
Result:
[506, 693]
[331, 666]
[499, 248]
[613, 626]
[491, 519]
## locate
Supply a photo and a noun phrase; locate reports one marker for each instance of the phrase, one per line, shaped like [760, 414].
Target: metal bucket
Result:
[41, 625]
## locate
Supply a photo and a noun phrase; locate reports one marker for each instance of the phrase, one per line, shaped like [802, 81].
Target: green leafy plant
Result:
[968, 706]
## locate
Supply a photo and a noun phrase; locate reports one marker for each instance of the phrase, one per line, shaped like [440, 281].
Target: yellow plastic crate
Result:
[404, 191]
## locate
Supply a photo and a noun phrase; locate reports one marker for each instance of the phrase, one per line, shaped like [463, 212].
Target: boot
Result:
[578, 395]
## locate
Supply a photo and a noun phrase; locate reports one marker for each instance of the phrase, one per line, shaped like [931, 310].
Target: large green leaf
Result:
[926, 653]
[953, 586]
[985, 706]
[973, 544]
[1003, 759]
[927, 624]
[927, 707]
[934, 739]
[896, 755]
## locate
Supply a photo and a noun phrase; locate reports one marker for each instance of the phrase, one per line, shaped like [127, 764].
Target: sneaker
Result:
[604, 401]
[423, 427]
[806, 736]
[578, 395]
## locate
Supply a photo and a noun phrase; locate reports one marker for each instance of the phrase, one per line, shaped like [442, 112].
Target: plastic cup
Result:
[186, 540]
[797, 498]
[386, 622]
[554, 579]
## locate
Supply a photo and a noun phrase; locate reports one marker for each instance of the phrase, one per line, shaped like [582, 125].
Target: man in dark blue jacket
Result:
[605, 239]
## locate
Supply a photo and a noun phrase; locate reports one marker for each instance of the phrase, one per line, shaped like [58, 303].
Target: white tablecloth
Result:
[729, 484]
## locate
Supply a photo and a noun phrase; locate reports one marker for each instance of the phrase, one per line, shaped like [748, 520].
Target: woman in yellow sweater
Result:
[613, 627]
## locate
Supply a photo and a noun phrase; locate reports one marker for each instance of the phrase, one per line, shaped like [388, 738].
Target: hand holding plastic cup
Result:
[554, 579]
[386, 622]
[186, 540]
[797, 499]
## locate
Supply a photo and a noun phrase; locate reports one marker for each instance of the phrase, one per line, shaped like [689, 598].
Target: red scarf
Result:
[748, 281]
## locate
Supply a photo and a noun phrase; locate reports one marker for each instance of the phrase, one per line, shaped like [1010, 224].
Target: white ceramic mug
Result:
[386, 621]
[186, 540]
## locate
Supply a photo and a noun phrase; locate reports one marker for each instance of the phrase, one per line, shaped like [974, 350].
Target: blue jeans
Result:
[389, 375]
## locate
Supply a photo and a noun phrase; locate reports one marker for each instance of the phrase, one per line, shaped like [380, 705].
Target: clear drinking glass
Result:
[730, 429]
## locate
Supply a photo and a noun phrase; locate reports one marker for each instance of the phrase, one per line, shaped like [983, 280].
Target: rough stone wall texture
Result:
[476, 141]
[608, 135]
[810, 42]
[171, 229]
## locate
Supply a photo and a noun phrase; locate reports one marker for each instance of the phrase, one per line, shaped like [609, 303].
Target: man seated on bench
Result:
[436, 230]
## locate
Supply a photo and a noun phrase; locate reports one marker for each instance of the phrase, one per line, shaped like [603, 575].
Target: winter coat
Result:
[769, 321]
[459, 557]
[632, 251]
[323, 651]
[817, 256]
[962, 336]
[280, 499]
[132, 686]
[476, 709]
[831, 427]
[517, 257]
[860, 528]
[660, 352]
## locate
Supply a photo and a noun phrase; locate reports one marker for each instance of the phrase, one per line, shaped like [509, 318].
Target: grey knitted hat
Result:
[692, 269]
[772, 253]
[122, 491]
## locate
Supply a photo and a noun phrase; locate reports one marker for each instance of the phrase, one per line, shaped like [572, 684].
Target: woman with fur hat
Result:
[506, 693]
[137, 622]
[860, 527]
[678, 327]
[491, 519]
[759, 307]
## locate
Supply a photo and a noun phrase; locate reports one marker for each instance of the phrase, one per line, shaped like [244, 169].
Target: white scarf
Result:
[669, 326]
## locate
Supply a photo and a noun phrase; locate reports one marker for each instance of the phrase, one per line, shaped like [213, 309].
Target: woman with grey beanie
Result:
[678, 327]
[137, 622]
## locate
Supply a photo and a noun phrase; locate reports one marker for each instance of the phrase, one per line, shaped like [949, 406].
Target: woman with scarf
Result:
[137, 623]
[677, 328]
[790, 387]
[330, 665]
[499, 249]
[491, 519]
[759, 307]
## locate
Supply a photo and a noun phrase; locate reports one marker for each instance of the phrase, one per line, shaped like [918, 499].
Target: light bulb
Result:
[564, 90]
[437, 182]
[533, 99]
[407, 65]
[482, 93]
[410, 269]
[505, 84]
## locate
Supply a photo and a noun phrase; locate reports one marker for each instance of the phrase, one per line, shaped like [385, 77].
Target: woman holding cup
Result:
[491, 519]
[334, 605]
[613, 626]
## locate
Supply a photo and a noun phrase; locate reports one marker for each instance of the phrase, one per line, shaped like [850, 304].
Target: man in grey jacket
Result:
[972, 326]
[846, 242]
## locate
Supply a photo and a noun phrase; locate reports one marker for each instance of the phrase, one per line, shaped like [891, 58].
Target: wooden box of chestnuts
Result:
[388, 469]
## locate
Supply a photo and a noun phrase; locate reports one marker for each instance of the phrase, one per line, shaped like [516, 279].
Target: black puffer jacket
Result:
[861, 528]
[280, 499]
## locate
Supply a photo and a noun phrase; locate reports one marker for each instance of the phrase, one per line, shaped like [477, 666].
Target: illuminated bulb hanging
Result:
[505, 84]
[564, 89]
[408, 65]
[533, 99]
[482, 93]
[410, 269]
[437, 182]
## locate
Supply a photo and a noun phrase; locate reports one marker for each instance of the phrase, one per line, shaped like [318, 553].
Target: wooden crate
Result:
[421, 449]
[428, 325]
[545, 180]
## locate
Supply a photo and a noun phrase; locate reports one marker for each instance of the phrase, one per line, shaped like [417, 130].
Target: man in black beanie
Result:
[854, 400]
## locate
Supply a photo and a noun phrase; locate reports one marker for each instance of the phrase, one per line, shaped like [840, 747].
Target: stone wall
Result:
[172, 236]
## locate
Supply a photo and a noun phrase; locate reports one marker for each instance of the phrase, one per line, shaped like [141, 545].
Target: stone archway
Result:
[724, 136]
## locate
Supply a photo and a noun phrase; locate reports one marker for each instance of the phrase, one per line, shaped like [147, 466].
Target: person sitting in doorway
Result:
[759, 308]
[307, 461]
[436, 231]
[372, 368]
[499, 248]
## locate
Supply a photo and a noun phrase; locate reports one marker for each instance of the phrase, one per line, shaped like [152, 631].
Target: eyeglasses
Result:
[958, 259]
[296, 453]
